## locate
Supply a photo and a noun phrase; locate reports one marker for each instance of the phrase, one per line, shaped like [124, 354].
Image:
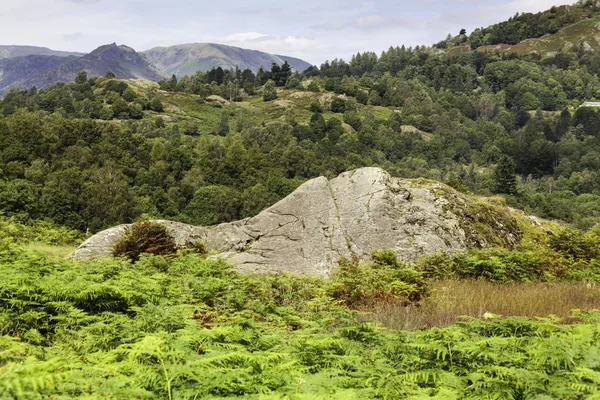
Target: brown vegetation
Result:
[451, 299]
[145, 237]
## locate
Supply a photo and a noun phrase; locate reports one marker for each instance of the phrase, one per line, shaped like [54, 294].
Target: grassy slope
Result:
[182, 107]
[587, 31]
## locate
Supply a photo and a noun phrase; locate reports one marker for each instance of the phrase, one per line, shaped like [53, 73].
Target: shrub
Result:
[438, 266]
[500, 265]
[269, 91]
[316, 107]
[313, 87]
[576, 245]
[338, 105]
[145, 237]
[384, 278]
[495, 265]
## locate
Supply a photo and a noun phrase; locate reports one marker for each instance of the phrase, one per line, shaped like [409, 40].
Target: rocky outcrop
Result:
[102, 243]
[349, 216]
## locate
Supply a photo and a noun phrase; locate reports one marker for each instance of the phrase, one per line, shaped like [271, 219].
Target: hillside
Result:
[14, 72]
[186, 59]
[124, 61]
[583, 35]
[22, 51]
[559, 29]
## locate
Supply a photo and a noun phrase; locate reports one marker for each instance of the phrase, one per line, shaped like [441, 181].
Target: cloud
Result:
[265, 42]
[370, 22]
[328, 26]
[243, 37]
[80, 1]
[73, 37]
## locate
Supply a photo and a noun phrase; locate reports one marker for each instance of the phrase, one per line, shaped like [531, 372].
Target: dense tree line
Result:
[232, 84]
[97, 98]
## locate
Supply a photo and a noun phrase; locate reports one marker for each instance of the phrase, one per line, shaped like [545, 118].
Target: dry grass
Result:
[450, 300]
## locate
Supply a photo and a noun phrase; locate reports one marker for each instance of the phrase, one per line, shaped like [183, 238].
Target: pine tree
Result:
[223, 125]
[504, 176]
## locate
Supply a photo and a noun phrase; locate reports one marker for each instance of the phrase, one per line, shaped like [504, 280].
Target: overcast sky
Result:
[314, 30]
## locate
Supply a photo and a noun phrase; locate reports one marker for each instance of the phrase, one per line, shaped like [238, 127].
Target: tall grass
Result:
[451, 299]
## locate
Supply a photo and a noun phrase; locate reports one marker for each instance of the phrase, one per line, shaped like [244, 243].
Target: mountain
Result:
[26, 66]
[22, 51]
[186, 59]
[14, 72]
[124, 61]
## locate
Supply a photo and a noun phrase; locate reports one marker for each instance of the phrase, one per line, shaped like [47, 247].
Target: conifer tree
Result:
[504, 176]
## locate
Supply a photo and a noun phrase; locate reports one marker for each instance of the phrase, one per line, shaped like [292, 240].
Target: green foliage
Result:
[500, 265]
[575, 245]
[223, 125]
[528, 25]
[184, 327]
[269, 91]
[144, 237]
[496, 265]
[468, 118]
[38, 232]
[504, 175]
[385, 278]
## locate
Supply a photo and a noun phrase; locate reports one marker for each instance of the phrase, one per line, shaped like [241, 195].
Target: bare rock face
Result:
[102, 243]
[349, 216]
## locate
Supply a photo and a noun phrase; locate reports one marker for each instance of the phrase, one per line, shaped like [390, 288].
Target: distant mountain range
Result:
[25, 66]
[22, 51]
[186, 59]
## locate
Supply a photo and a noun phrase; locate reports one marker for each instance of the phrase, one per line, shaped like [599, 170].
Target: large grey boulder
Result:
[102, 243]
[349, 216]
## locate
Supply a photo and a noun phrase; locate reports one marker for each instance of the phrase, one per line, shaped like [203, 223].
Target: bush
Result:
[575, 245]
[316, 107]
[269, 91]
[384, 278]
[145, 237]
[338, 105]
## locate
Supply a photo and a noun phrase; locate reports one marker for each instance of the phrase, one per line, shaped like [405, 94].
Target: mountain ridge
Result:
[123, 60]
[12, 51]
[15, 71]
[186, 59]
[22, 67]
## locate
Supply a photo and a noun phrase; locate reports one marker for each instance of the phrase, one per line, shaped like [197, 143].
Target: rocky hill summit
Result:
[349, 216]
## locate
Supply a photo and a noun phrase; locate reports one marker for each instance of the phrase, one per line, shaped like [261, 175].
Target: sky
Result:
[314, 30]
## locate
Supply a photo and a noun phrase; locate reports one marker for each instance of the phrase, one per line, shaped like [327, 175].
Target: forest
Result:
[222, 145]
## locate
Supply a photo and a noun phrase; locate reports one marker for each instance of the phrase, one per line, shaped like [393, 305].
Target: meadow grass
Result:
[452, 299]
